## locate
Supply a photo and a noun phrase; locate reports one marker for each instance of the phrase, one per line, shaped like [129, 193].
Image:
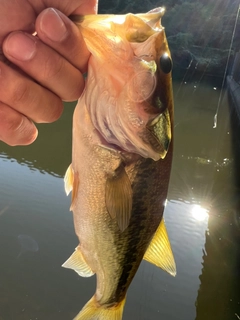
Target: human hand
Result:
[44, 70]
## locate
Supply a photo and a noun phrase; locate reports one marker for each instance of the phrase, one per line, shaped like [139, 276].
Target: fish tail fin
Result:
[93, 311]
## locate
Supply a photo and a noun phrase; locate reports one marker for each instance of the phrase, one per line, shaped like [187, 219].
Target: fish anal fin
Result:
[92, 311]
[159, 251]
[118, 197]
[68, 180]
[77, 263]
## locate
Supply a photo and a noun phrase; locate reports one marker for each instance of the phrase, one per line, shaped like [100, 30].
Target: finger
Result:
[73, 6]
[15, 128]
[27, 97]
[87, 7]
[60, 33]
[44, 64]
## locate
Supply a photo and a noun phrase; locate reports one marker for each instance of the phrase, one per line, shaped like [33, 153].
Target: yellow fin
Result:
[68, 180]
[71, 182]
[159, 251]
[92, 311]
[77, 262]
[118, 198]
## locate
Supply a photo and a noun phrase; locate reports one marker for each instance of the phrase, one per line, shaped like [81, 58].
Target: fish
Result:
[27, 244]
[121, 156]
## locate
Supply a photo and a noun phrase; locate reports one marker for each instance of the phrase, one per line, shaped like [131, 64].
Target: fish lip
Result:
[160, 130]
[154, 106]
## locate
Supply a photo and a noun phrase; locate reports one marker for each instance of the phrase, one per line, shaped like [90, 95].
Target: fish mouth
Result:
[159, 133]
[152, 141]
[158, 105]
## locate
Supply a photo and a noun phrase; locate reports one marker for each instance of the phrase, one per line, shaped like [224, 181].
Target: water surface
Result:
[201, 217]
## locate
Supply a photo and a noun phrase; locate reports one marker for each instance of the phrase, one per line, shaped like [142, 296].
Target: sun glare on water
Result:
[199, 213]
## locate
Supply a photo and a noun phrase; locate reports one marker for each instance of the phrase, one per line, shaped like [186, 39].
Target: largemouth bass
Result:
[121, 158]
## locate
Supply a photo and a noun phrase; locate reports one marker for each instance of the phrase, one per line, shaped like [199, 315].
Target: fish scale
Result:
[121, 158]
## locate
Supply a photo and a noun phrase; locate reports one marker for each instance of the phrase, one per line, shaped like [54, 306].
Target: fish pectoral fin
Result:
[159, 251]
[71, 182]
[77, 263]
[68, 180]
[118, 198]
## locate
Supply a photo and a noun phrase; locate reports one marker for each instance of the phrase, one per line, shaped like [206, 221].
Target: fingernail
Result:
[20, 46]
[52, 25]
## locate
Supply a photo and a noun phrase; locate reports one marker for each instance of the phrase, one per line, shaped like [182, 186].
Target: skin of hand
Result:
[40, 71]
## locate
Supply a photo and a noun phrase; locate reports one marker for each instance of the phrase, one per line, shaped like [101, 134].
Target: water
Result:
[27, 244]
[201, 219]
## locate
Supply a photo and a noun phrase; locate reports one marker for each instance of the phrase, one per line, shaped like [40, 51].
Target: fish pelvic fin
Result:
[71, 183]
[118, 198]
[77, 263]
[93, 311]
[159, 251]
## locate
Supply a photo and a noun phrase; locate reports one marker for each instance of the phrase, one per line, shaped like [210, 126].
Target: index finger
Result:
[69, 42]
[66, 6]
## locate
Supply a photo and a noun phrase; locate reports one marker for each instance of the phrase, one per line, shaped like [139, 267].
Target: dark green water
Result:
[201, 218]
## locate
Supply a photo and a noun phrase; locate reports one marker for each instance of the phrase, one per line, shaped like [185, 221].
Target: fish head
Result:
[153, 97]
[129, 90]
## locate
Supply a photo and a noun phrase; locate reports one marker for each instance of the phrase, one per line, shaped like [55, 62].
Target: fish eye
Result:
[166, 63]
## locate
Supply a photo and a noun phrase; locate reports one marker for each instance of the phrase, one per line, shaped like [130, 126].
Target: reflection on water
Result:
[199, 213]
[3, 210]
[27, 243]
[200, 216]
[52, 151]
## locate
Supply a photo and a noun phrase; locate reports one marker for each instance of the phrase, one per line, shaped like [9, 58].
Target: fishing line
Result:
[183, 80]
[225, 72]
[196, 66]
[205, 70]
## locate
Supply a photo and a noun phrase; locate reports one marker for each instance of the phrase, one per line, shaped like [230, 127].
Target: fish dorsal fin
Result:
[71, 182]
[77, 263]
[119, 197]
[159, 251]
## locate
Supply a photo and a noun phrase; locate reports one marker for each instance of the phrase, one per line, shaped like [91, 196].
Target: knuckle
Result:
[9, 120]
[14, 124]
[19, 131]
[20, 94]
[15, 129]
[52, 67]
